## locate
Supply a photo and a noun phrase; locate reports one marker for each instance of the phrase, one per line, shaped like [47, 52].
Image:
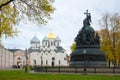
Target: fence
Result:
[67, 69]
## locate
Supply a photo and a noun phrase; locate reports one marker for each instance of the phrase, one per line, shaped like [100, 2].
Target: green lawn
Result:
[20, 75]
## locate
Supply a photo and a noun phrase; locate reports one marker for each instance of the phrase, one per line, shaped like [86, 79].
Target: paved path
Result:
[73, 73]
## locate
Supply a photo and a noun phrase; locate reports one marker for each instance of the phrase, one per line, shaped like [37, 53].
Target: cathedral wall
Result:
[46, 59]
[35, 45]
[34, 58]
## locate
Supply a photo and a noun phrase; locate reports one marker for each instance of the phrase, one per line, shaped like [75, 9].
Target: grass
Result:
[20, 75]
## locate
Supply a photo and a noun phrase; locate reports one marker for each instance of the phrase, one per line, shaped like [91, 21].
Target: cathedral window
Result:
[64, 58]
[46, 62]
[36, 45]
[57, 43]
[34, 62]
[59, 62]
[51, 43]
[18, 58]
[41, 62]
[54, 44]
[53, 58]
[46, 43]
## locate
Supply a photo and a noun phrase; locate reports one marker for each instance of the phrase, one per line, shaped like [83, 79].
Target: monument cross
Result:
[87, 14]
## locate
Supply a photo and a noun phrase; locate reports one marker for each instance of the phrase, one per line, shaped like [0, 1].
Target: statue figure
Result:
[97, 39]
[86, 35]
[87, 20]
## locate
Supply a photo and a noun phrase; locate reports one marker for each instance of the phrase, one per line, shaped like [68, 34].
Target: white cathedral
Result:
[47, 53]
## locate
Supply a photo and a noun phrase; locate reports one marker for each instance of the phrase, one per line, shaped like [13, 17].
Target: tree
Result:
[12, 11]
[110, 36]
[7, 20]
[73, 47]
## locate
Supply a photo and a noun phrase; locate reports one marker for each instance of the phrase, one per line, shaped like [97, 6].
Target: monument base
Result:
[87, 64]
[88, 57]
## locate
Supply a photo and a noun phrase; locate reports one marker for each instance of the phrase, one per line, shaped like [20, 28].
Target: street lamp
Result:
[26, 60]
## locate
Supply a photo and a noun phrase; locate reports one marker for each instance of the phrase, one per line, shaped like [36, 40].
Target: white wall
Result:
[48, 57]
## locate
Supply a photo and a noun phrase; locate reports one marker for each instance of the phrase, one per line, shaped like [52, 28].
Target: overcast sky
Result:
[66, 21]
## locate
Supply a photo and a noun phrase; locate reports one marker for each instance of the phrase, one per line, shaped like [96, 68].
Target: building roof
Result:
[57, 38]
[14, 50]
[51, 36]
[33, 50]
[35, 40]
[60, 49]
[45, 38]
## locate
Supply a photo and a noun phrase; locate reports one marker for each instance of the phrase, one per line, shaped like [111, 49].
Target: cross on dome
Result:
[86, 13]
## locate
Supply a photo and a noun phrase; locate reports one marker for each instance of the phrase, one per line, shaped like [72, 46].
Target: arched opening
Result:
[53, 64]
[34, 62]
[59, 62]
[53, 59]
[41, 62]
[46, 62]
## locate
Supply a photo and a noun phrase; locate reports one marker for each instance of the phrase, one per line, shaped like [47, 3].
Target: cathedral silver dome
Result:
[35, 40]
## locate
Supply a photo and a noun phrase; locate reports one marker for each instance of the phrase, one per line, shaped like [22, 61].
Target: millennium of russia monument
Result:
[87, 52]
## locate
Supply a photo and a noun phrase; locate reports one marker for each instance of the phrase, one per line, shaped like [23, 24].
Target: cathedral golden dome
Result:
[51, 36]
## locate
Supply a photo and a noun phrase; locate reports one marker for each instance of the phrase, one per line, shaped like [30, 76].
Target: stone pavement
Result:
[73, 73]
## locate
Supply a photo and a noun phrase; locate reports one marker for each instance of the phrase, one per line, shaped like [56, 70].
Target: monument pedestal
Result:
[88, 57]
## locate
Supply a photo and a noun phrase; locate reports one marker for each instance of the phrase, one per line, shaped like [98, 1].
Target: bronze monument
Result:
[87, 53]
